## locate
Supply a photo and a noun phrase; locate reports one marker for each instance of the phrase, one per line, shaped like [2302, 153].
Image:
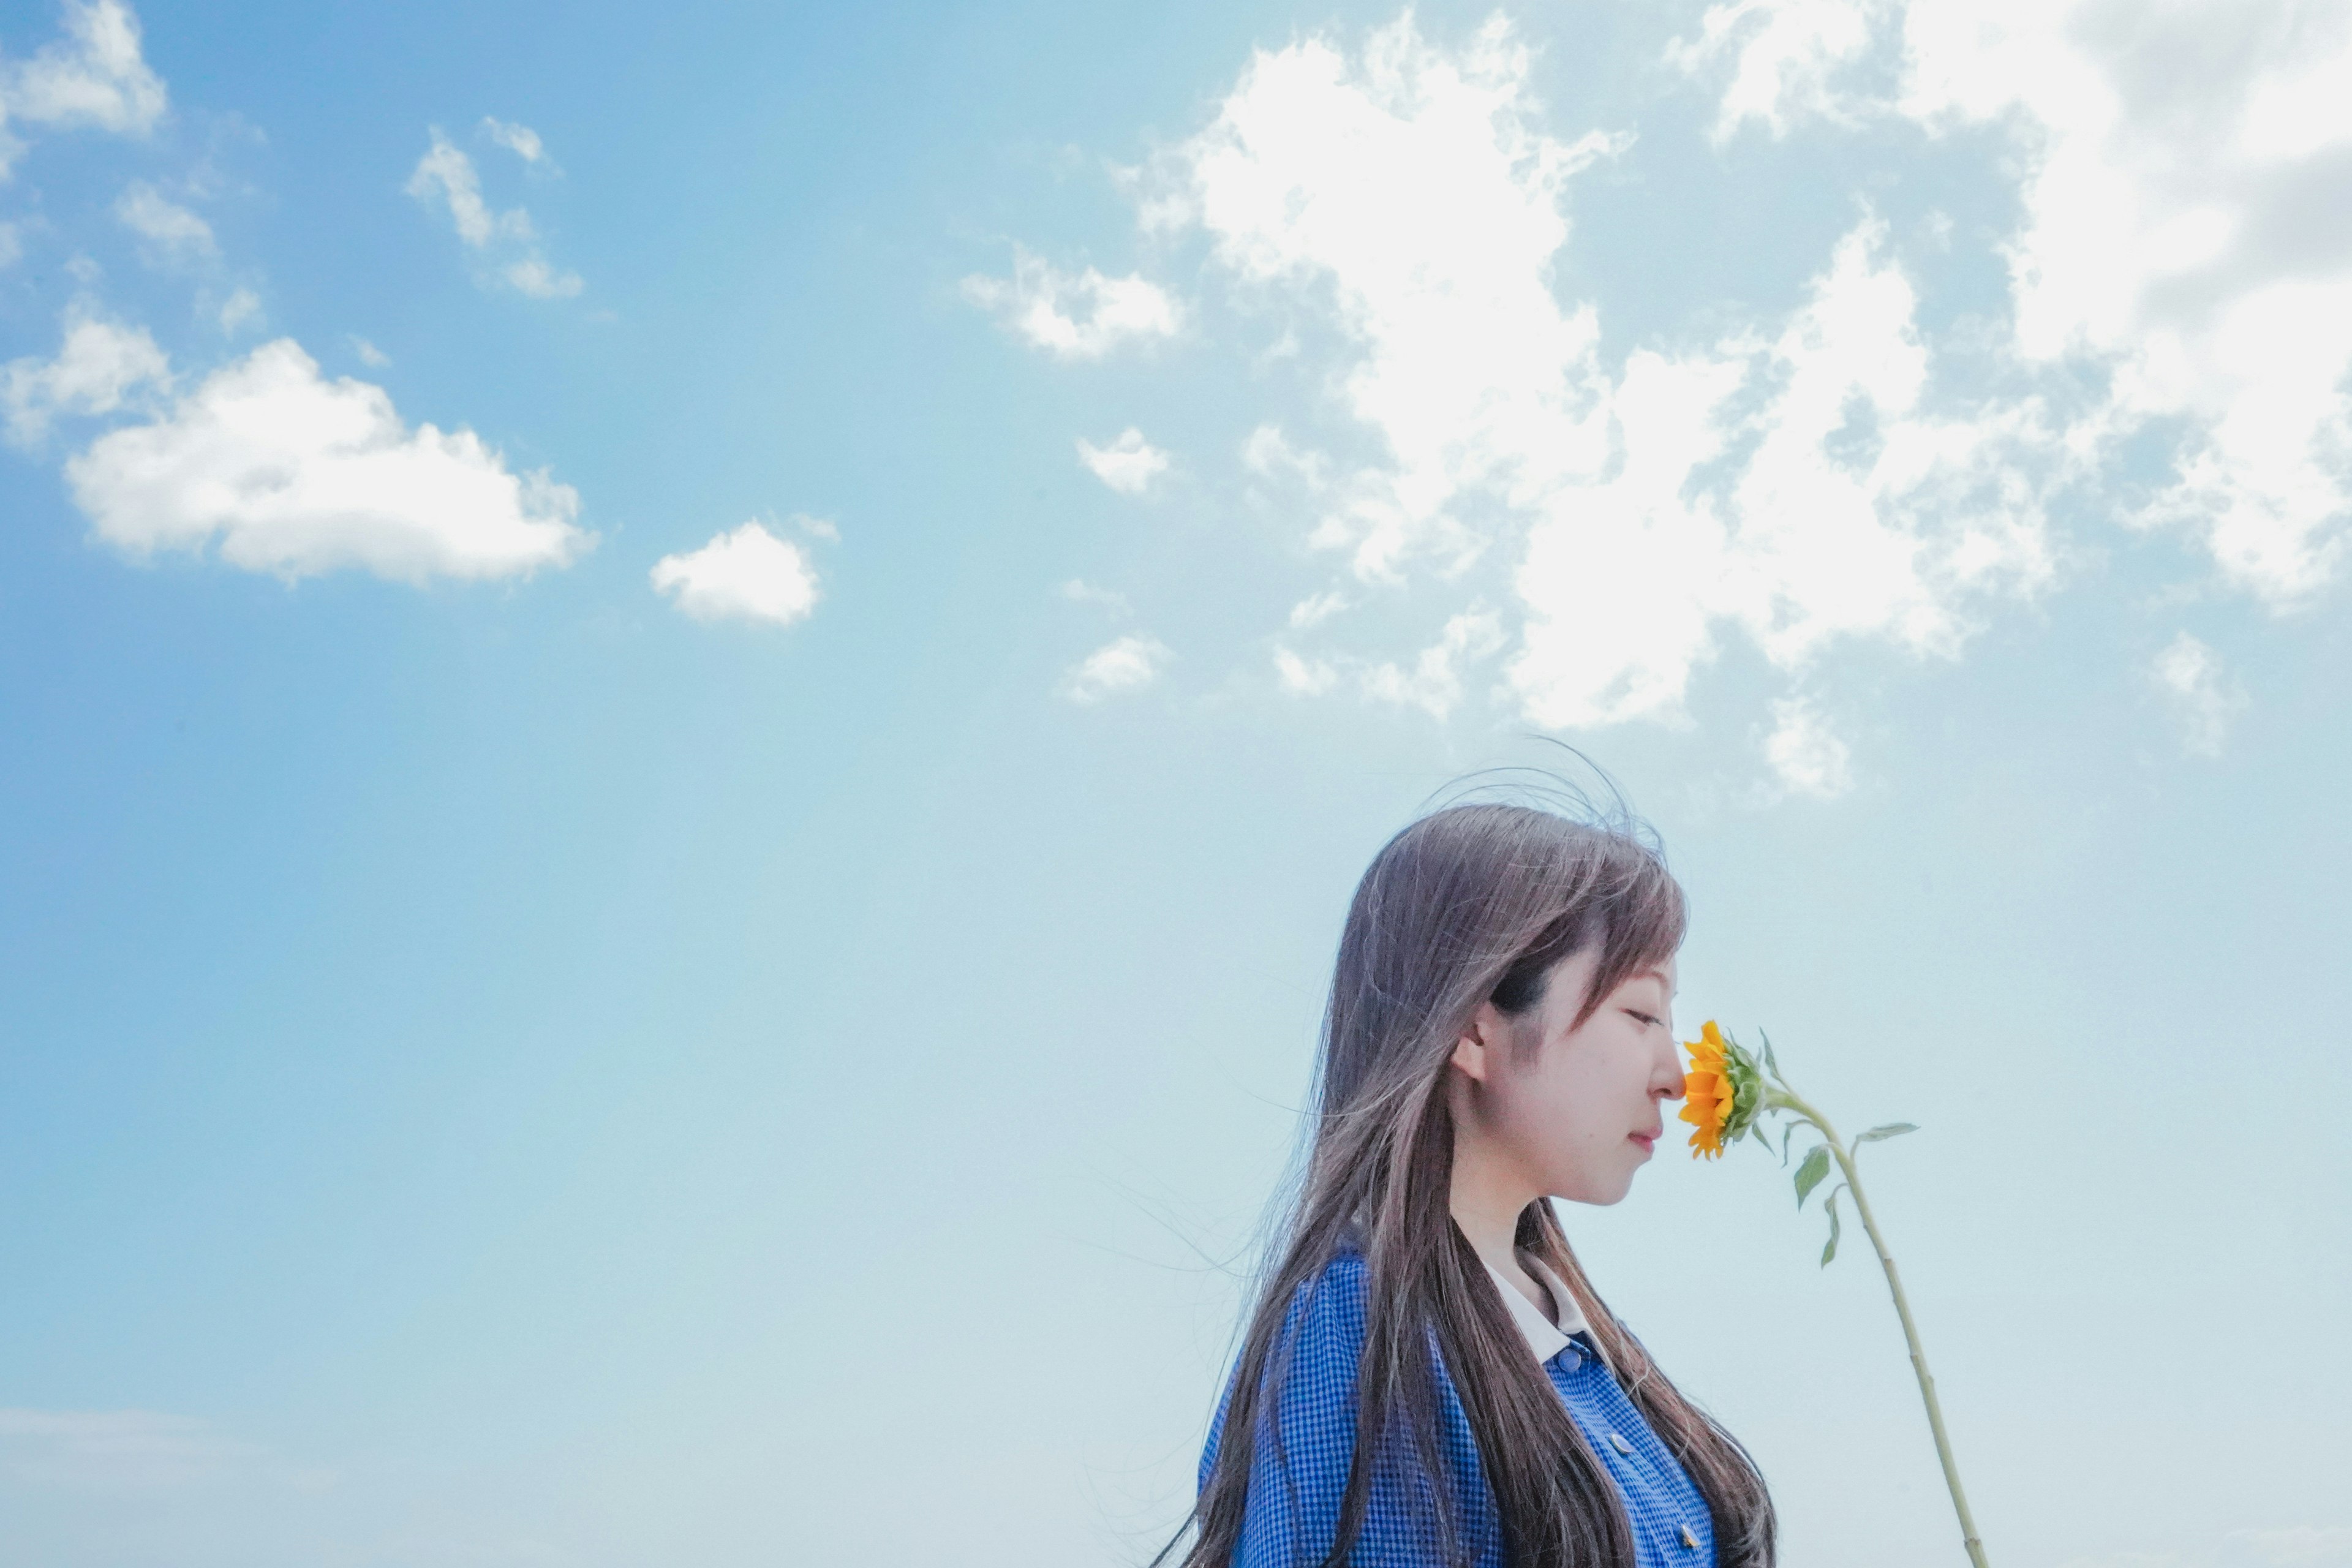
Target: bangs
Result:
[1624, 900]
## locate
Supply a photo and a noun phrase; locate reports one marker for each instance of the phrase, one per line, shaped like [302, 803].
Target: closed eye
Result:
[1646, 1018]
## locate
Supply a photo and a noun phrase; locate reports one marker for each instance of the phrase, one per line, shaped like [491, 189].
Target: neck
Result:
[1488, 1193]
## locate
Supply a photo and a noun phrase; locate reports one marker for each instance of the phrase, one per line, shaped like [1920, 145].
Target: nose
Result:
[1667, 1083]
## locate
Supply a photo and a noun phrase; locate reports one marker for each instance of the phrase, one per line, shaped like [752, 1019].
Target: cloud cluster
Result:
[1790, 481]
[2184, 173]
[286, 472]
[506, 242]
[1831, 474]
[95, 77]
[1075, 316]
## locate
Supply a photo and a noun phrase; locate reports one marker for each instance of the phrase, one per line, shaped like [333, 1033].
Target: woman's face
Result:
[1579, 1107]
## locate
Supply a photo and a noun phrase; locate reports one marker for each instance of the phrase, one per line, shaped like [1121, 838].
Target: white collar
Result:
[1545, 1336]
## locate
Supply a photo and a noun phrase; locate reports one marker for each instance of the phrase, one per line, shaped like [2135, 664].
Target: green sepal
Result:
[1747, 1088]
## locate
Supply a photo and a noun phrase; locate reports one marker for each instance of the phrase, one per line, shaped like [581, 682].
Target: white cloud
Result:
[520, 140]
[2203, 699]
[1080, 315]
[289, 473]
[1127, 663]
[1804, 754]
[2179, 226]
[12, 245]
[102, 365]
[1787, 54]
[746, 574]
[506, 239]
[369, 354]
[241, 310]
[1128, 465]
[1433, 684]
[95, 77]
[170, 228]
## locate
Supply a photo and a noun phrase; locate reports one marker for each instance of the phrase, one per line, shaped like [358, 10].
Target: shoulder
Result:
[1309, 1371]
[1328, 1307]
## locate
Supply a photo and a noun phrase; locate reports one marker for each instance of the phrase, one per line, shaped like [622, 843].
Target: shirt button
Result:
[1689, 1539]
[1619, 1443]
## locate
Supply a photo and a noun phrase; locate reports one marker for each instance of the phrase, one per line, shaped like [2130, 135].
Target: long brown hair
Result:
[1469, 904]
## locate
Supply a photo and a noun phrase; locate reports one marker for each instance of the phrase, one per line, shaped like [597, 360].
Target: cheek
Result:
[1592, 1091]
[1568, 1103]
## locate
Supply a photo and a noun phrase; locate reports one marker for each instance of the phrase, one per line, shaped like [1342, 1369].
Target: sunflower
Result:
[1708, 1098]
[1721, 1093]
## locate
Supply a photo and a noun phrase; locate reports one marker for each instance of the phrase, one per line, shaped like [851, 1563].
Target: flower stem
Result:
[1785, 1100]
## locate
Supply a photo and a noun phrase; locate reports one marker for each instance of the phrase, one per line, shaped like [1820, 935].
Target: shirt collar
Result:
[1545, 1336]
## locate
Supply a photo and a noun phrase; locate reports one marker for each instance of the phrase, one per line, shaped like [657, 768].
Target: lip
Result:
[1648, 1141]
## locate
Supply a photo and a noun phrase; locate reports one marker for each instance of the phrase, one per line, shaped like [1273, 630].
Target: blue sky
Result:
[688, 710]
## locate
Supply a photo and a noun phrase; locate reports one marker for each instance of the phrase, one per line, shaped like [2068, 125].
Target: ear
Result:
[1477, 1052]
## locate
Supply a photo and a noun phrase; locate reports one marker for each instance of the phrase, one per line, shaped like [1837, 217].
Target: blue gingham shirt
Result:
[1294, 1508]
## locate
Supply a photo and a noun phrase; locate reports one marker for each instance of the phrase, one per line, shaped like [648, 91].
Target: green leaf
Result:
[1809, 1173]
[1831, 1250]
[1786, 1133]
[1892, 1130]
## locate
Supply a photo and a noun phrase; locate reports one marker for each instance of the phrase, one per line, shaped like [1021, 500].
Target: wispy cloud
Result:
[1076, 316]
[1806, 756]
[747, 573]
[1080, 592]
[2203, 699]
[2299, 1546]
[171, 230]
[118, 1449]
[240, 310]
[520, 140]
[1128, 465]
[101, 365]
[1124, 664]
[507, 241]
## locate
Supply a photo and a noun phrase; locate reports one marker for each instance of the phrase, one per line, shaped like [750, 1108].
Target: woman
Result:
[1498, 1034]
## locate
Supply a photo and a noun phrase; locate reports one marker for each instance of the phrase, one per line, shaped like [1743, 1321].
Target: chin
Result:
[1601, 1194]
